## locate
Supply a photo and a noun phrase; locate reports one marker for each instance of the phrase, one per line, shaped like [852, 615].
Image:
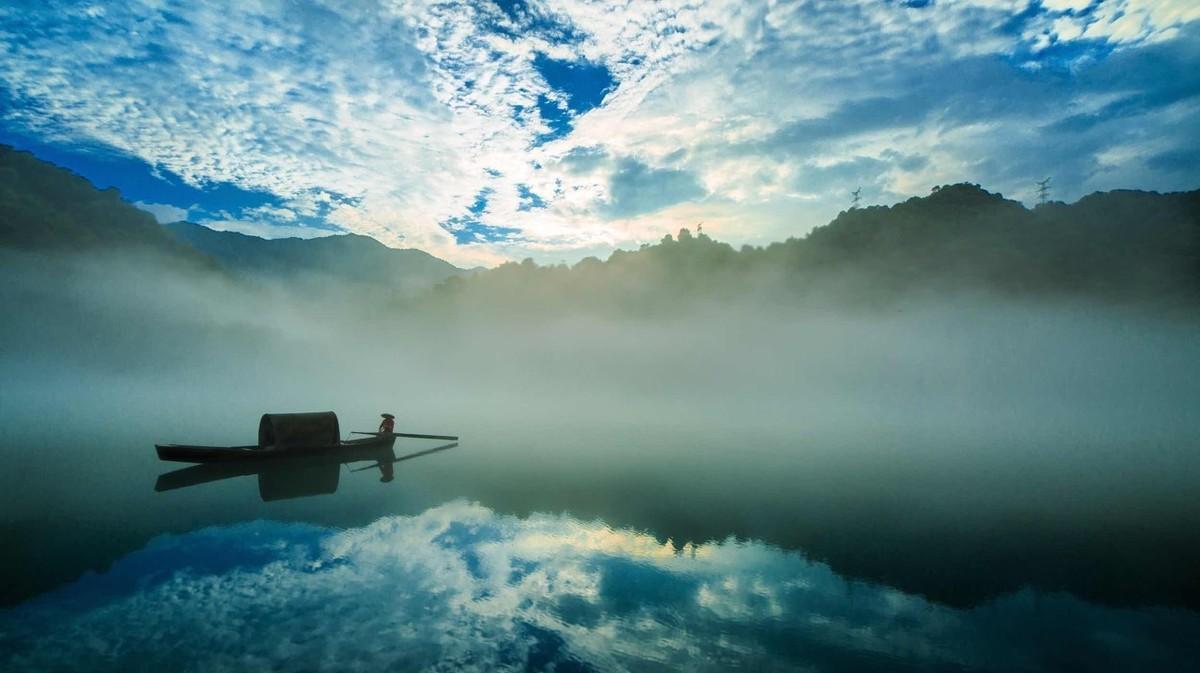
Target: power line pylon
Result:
[1043, 191]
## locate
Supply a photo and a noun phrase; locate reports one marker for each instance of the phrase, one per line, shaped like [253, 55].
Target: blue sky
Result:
[489, 131]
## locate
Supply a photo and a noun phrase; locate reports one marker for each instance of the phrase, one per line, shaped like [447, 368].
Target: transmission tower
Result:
[855, 198]
[1043, 191]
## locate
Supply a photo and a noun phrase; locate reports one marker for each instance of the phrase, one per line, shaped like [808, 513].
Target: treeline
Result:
[46, 208]
[50, 210]
[1121, 246]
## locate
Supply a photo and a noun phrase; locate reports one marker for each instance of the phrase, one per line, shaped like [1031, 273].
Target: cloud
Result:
[635, 188]
[462, 587]
[163, 212]
[1066, 5]
[1140, 20]
[266, 230]
[387, 119]
[583, 160]
[270, 212]
[1180, 160]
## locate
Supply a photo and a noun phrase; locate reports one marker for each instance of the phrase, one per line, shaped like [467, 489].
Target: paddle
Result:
[450, 438]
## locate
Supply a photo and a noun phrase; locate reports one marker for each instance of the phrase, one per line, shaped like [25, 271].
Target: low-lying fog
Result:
[941, 419]
[108, 333]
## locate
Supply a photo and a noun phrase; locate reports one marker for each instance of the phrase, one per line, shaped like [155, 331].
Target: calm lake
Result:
[619, 547]
[969, 491]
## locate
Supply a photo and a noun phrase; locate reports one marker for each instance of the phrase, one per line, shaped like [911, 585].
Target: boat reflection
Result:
[299, 477]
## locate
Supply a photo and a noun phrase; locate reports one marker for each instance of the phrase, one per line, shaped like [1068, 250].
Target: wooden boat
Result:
[300, 476]
[292, 435]
[344, 451]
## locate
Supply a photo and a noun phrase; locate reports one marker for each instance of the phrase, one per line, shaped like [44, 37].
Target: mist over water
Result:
[958, 450]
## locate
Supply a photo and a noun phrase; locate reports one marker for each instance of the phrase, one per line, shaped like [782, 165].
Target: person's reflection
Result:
[387, 469]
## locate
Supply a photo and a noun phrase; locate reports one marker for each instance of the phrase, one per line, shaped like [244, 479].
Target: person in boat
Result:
[388, 424]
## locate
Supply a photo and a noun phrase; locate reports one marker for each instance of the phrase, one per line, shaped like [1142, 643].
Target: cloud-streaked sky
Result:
[555, 129]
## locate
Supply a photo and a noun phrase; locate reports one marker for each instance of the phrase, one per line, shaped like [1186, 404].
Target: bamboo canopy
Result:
[296, 431]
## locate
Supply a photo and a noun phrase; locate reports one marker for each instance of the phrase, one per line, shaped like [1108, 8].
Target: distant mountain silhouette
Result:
[1115, 244]
[48, 208]
[1126, 246]
[1122, 245]
[348, 258]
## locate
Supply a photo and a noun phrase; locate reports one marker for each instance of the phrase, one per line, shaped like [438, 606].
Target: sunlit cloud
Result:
[265, 229]
[163, 212]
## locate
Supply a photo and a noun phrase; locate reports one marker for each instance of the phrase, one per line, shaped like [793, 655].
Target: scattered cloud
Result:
[269, 212]
[388, 119]
[163, 212]
[635, 188]
[267, 230]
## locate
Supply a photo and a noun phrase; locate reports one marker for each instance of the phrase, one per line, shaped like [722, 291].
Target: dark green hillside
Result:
[1124, 246]
[47, 208]
[1121, 244]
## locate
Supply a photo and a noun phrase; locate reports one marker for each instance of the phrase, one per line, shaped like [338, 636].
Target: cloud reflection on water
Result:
[462, 588]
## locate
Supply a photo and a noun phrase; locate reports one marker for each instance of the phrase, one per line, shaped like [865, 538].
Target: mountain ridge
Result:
[1124, 244]
[349, 258]
[51, 209]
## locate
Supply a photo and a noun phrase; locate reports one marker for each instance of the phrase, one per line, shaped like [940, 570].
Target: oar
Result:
[449, 438]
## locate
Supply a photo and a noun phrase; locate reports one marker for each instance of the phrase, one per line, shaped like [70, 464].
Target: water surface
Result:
[578, 548]
[973, 490]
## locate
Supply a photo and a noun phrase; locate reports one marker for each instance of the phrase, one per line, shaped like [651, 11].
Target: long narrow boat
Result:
[304, 471]
[293, 435]
[343, 451]
[284, 436]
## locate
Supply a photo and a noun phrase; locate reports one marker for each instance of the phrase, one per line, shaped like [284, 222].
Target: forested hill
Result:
[1125, 246]
[47, 208]
[52, 210]
[1111, 243]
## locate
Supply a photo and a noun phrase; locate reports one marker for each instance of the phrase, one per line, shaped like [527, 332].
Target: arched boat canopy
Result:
[291, 431]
